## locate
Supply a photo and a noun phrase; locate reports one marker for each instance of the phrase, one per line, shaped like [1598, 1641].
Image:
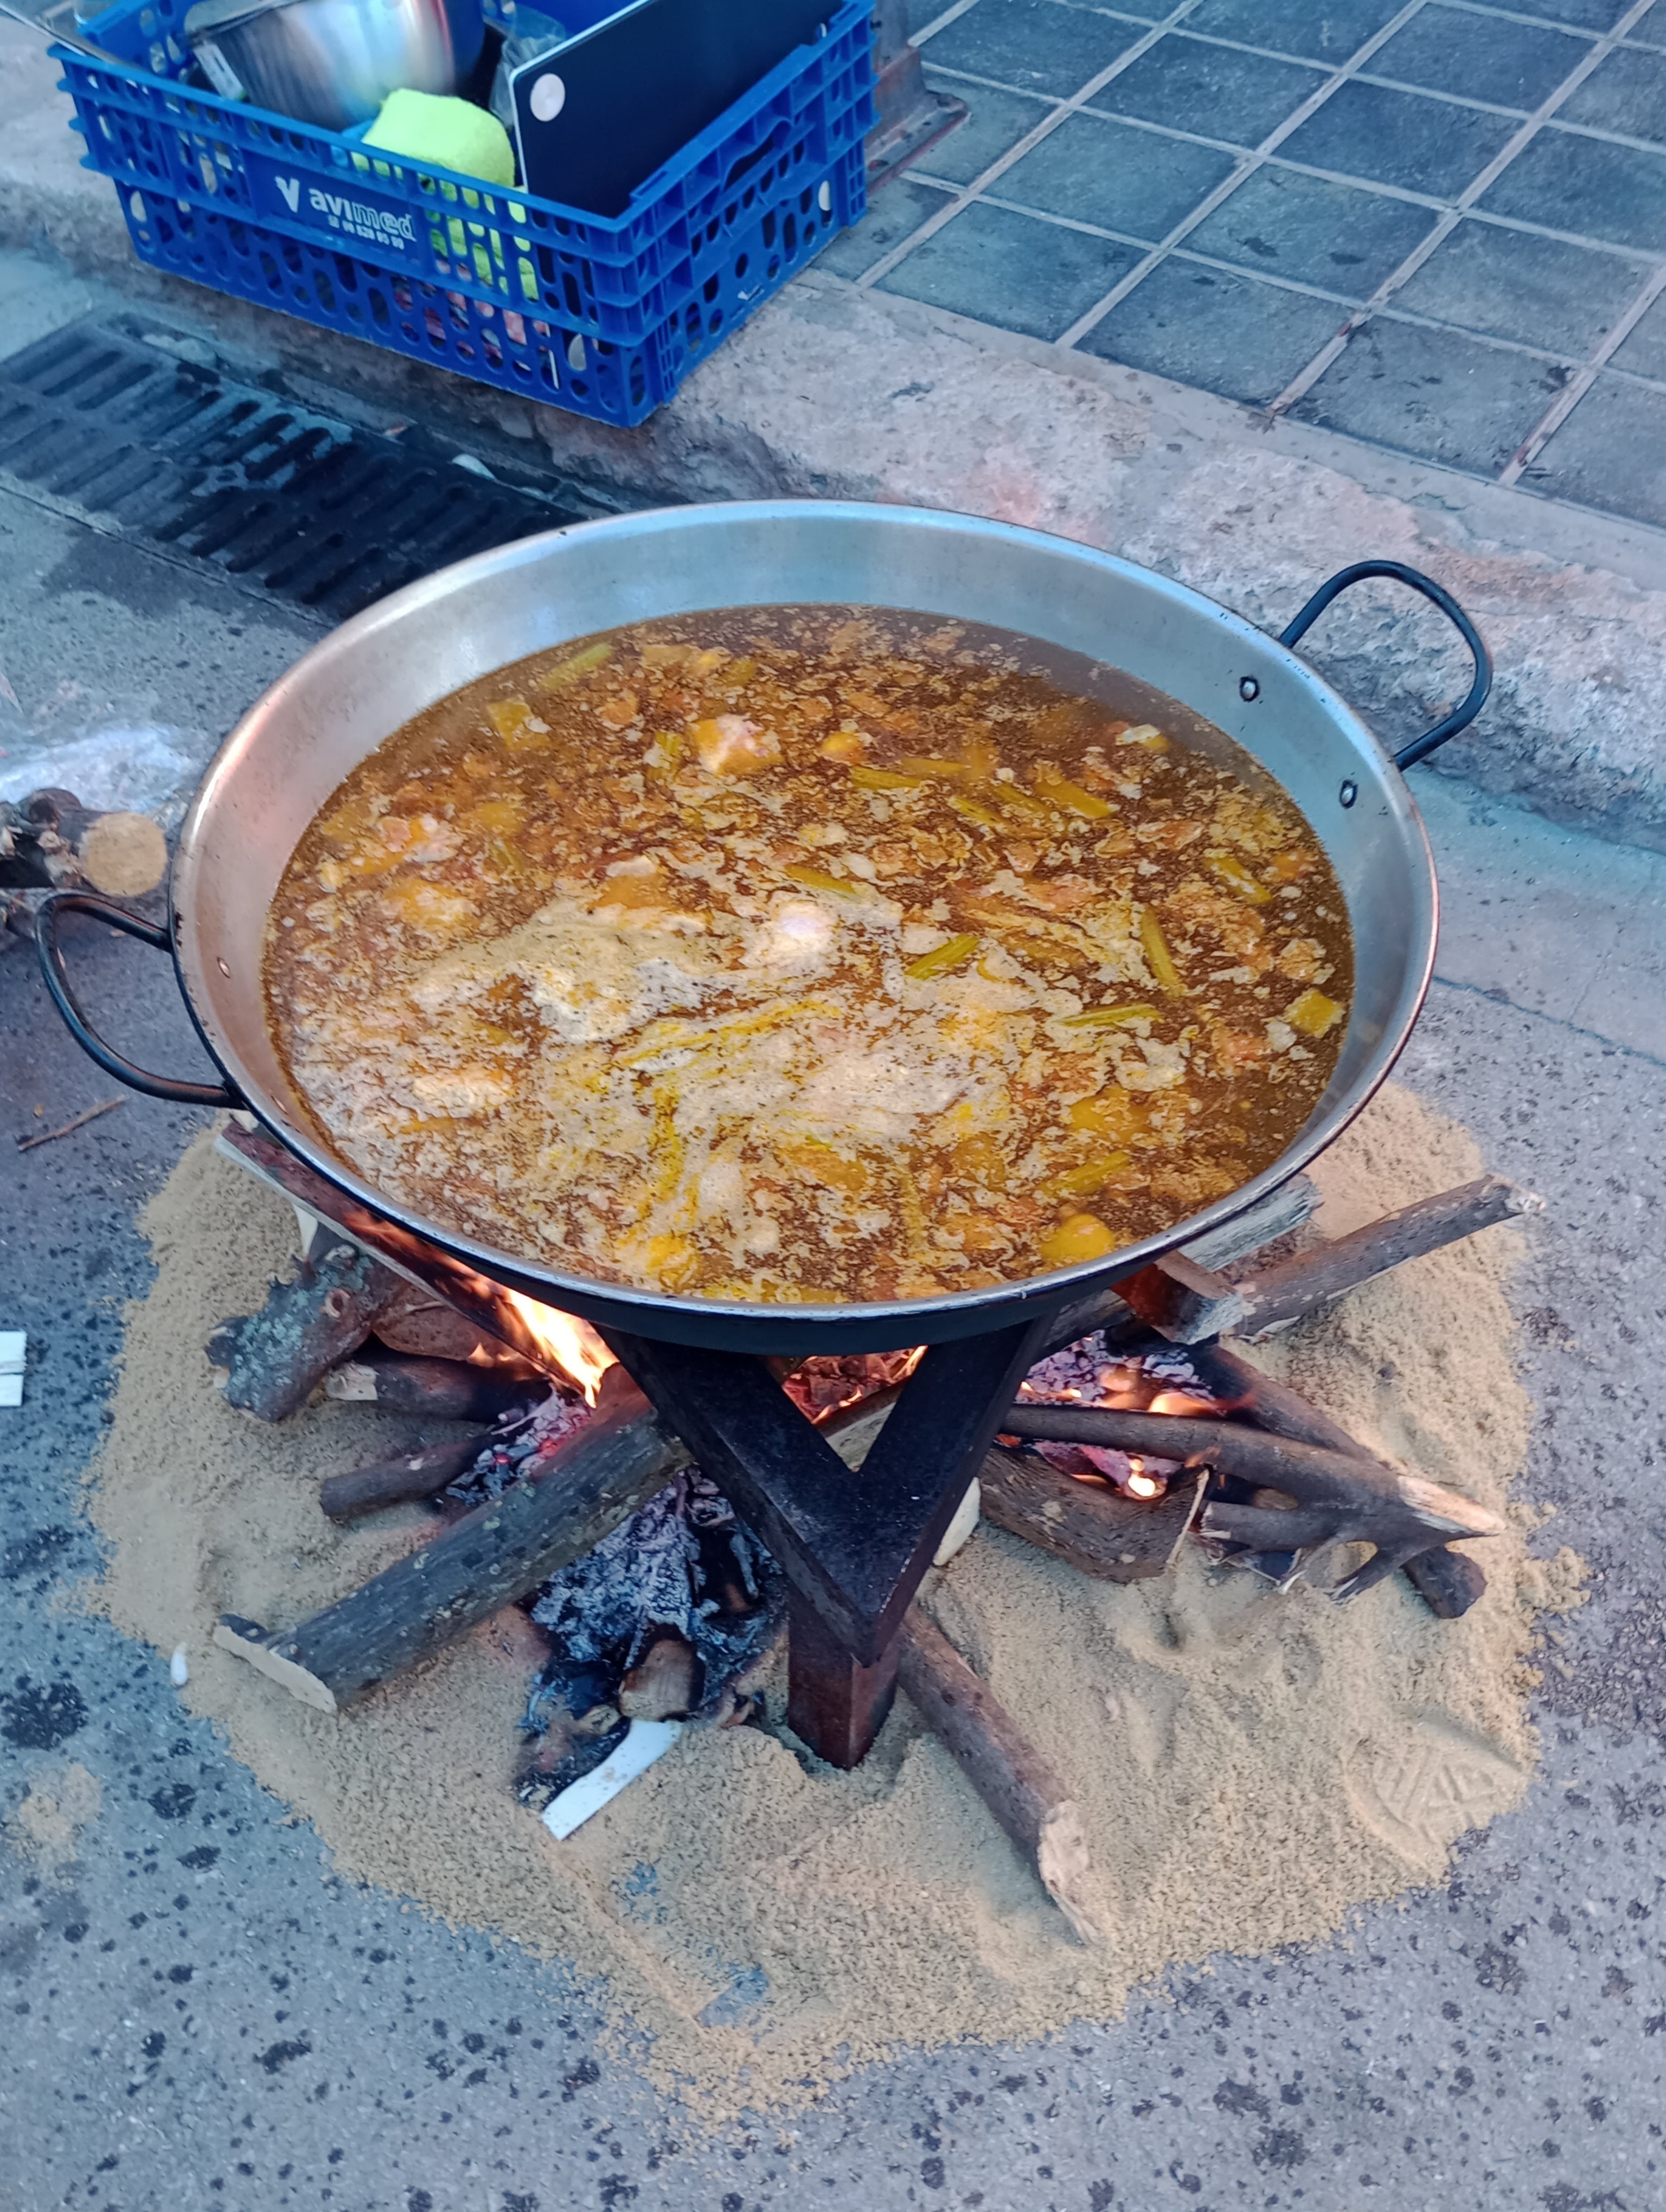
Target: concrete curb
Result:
[834, 392]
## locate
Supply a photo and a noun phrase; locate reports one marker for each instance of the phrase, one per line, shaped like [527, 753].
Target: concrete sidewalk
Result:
[838, 389]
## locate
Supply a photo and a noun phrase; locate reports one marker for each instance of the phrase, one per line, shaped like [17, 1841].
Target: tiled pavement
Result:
[1436, 225]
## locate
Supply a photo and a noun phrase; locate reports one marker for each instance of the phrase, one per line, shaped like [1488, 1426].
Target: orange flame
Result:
[565, 1341]
[1142, 1484]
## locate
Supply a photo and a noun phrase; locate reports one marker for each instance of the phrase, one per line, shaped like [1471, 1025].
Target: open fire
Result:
[582, 1503]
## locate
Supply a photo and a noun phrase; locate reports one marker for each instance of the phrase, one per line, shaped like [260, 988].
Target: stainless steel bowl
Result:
[291, 749]
[334, 62]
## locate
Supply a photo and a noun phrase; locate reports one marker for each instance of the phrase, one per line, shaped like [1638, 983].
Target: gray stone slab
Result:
[1002, 267]
[1611, 452]
[1330, 33]
[1033, 46]
[996, 122]
[1339, 237]
[1433, 392]
[1565, 181]
[1216, 330]
[1515, 284]
[1385, 137]
[1210, 91]
[1476, 55]
[1120, 179]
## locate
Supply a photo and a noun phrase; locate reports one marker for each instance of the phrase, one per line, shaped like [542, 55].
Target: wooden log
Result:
[1291, 1289]
[437, 1389]
[1011, 1777]
[1264, 1223]
[399, 1481]
[1087, 1524]
[1448, 1582]
[421, 1324]
[277, 1358]
[571, 1497]
[1184, 1302]
[663, 1684]
[1340, 1498]
[49, 841]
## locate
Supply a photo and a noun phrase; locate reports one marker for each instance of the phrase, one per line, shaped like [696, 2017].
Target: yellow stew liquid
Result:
[808, 953]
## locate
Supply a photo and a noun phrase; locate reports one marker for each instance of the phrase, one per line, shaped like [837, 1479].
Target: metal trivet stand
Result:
[853, 1530]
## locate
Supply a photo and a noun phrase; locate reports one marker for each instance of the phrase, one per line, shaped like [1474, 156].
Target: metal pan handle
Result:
[1460, 717]
[64, 998]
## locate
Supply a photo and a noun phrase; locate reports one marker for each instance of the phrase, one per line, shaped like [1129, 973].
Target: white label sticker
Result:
[549, 97]
[218, 71]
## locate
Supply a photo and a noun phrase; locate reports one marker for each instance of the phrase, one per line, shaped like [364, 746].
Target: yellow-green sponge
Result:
[451, 134]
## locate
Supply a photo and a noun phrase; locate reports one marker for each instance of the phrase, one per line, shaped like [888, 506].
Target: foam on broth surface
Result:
[808, 953]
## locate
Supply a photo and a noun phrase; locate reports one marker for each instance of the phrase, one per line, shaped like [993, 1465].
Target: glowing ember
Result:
[562, 1341]
[1142, 1484]
[826, 1383]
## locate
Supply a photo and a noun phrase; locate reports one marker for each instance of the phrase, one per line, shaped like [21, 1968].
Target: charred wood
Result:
[570, 1498]
[1087, 1524]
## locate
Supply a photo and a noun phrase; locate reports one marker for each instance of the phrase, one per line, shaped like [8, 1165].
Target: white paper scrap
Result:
[644, 1743]
[179, 1668]
[14, 1343]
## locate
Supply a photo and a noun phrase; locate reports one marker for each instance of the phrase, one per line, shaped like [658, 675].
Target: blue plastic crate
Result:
[604, 316]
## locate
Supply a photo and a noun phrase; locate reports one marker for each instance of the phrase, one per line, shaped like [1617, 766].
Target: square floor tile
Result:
[1317, 30]
[1643, 349]
[1581, 14]
[1433, 392]
[1010, 270]
[1034, 45]
[1187, 84]
[1514, 285]
[996, 122]
[1610, 452]
[1313, 232]
[1569, 183]
[1399, 138]
[1111, 175]
[1480, 56]
[1627, 94]
[1219, 332]
[895, 210]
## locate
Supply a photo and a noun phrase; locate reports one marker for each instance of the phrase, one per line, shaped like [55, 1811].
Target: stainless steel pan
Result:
[289, 753]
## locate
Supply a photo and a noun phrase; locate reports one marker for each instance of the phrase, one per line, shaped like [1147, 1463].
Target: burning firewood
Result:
[1017, 1784]
[1088, 1524]
[399, 1481]
[438, 1389]
[1335, 1497]
[663, 1684]
[573, 1496]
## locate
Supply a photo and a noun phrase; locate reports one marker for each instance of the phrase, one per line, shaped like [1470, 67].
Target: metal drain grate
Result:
[106, 416]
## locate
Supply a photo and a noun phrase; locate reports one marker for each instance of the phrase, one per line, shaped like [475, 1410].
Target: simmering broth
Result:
[808, 953]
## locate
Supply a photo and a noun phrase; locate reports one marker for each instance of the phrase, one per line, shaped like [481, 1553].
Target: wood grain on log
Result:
[571, 1497]
[1288, 1291]
[1011, 1777]
[438, 1389]
[277, 1358]
[398, 1481]
[1448, 1582]
[1087, 1524]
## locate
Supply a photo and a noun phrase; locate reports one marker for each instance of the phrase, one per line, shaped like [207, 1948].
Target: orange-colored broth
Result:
[804, 953]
